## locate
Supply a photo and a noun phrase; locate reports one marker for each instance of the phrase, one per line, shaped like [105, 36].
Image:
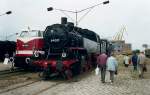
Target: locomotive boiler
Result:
[69, 50]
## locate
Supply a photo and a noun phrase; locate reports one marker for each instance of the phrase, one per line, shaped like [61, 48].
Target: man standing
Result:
[101, 61]
[134, 59]
[141, 62]
[112, 66]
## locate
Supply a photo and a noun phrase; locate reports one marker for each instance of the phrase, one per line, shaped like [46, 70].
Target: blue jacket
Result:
[112, 63]
[134, 60]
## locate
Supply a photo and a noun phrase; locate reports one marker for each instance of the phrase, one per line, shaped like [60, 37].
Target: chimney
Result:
[63, 20]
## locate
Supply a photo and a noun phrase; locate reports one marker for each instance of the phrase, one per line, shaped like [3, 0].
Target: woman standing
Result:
[112, 66]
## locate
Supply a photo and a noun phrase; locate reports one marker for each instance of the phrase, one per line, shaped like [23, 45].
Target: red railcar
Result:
[28, 48]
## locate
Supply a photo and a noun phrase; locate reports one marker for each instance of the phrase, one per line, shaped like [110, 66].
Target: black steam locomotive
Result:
[69, 50]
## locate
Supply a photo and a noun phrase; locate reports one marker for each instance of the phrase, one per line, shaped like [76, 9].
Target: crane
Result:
[119, 36]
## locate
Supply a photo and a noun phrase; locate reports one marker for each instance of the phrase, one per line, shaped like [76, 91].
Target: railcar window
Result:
[24, 34]
[31, 34]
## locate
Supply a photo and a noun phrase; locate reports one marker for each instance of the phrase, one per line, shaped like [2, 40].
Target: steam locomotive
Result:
[69, 50]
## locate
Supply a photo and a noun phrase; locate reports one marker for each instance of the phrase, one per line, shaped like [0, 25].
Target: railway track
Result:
[10, 71]
[20, 86]
[47, 88]
[31, 83]
[7, 73]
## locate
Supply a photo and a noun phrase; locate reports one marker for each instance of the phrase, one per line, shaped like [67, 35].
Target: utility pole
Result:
[76, 12]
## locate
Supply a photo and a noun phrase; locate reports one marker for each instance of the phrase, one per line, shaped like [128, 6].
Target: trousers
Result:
[103, 72]
[112, 75]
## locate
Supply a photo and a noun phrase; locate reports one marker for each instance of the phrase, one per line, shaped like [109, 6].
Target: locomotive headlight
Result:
[45, 63]
[25, 45]
[64, 54]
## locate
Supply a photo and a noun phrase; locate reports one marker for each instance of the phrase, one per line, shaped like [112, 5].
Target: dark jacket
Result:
[134, 60]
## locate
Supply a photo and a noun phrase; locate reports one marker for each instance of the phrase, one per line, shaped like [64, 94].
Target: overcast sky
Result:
[106, 20]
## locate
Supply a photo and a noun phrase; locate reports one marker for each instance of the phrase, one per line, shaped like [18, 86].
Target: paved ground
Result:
[89, 84]
[126, 83]
[92, 86]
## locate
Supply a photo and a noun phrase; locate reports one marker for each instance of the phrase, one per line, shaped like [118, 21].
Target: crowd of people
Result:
[107, 63]
[138, 61]
[110, 64]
